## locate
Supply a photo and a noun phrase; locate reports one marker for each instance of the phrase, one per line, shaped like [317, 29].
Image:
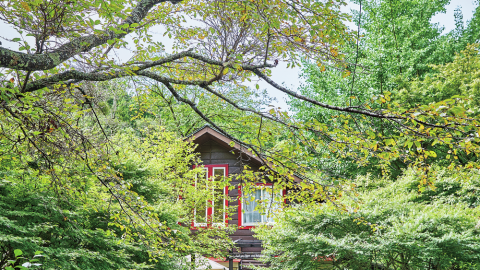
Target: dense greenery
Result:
[70, 236]
[458, 78]
[76, 224]
[388, 226]
[413, 214]
[402, 58]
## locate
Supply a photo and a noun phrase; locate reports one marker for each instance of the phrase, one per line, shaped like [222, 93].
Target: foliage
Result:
[72, 238]
[91, 230]
[458, 78]
[394, 227]
[400, 42]
[28, 264]
[396, 56]
[152, 101]
[52, 109]
[222, 52]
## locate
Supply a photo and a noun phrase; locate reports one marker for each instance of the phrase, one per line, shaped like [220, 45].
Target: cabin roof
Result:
[208, 132]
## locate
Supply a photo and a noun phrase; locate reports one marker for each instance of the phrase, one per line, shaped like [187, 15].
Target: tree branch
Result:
[22, 61]
[324, 105]
[109, 75]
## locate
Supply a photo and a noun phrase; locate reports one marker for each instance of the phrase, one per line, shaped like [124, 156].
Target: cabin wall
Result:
[212, 153]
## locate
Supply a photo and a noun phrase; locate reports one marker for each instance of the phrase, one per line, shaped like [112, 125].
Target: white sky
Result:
[289, 77]
[447, 19]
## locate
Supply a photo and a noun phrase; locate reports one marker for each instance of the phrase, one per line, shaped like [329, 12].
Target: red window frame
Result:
[210, 209]
[240, 213]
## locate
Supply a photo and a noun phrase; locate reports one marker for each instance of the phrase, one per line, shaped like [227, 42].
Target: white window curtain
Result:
[254, 213]
[250, 215]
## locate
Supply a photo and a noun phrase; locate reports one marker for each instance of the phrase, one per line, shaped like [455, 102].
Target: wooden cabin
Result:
[221, 157]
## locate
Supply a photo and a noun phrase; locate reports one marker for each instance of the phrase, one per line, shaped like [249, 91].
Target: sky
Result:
[447, 19]
[288, 77]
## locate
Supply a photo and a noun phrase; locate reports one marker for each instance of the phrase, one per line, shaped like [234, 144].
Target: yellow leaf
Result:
[334, 52]
[25, 6]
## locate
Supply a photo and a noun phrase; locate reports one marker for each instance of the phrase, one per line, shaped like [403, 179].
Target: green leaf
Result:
[17, 252]
[457, 110]
[417, 143]
[409, 144]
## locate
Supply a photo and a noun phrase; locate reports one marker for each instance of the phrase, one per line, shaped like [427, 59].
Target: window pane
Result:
[201, 215]
[213, 211]
[218, 197]
[268, 207]
[218, 173]
[271, 205]
[201, 212]
[251, 215]
[218, 206]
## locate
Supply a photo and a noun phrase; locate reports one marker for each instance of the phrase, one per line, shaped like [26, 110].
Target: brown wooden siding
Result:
[211, 153]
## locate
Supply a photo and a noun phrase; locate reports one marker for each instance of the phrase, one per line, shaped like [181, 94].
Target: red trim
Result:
[240, 214]
[210, 209]
[226, 200]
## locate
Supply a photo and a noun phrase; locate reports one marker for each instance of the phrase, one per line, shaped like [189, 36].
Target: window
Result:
[214, 210]
[259, 206]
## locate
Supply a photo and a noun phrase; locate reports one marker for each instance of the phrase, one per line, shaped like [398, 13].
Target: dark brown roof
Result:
[208, 132]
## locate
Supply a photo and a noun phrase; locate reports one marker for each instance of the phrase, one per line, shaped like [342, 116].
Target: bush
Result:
[395, 227]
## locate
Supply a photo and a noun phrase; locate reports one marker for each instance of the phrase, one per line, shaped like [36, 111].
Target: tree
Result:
[388, 226]
[64, 56]
[400, 42]
[395, 53]
[78, 225]
[457, 78]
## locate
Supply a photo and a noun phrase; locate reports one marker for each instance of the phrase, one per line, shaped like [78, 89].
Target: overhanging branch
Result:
[35, 62]
[321, 104]
[138, 69]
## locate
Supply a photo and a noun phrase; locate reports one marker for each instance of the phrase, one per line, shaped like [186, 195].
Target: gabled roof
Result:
[208, 132]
